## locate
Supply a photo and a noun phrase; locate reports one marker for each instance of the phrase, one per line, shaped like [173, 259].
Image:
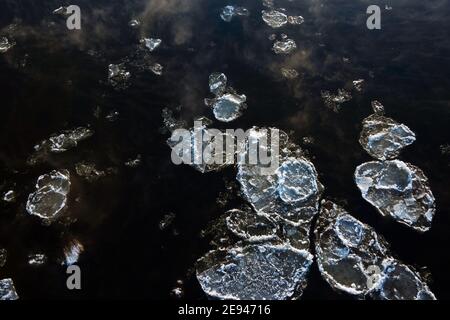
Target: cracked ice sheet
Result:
[50, 198]
[254, 272]
[7, 290]
[397, 189]
[384, 138]
[353, 258]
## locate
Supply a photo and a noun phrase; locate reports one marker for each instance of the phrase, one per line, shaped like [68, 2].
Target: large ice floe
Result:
[59, 143]
[354, 259]
[50, 198]
[383, 138]
[7, 290]
[254, 272]
[397, 189]
[227, 105]
[229, 12]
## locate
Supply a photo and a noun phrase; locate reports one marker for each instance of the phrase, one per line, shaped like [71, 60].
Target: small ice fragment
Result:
[383, 138]
[284, 46]
[354, 259]
[118, 76]
[133, 163]
[334, 101]
[387, 7]
[358, 84]
[166, 221]
[397, 189]
[274, 18]
[289, 73]
[5, 44]
[88, 171]
[151, 43]
[272, 37]
[9, 196]
[177, 292]
[50, 198]
[229, 106]
[7, 290]
[229, 12]
[3, 256]
[72, 252]
[157, 69]
[295, 20]
[377, 107]
[134, 23]
[217, 83]
[268, 3]
[254, 272]
[61, 11]
[112, 116]
[37, 259]
[445, 149]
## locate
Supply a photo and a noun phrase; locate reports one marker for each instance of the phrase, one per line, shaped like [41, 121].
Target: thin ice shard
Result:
[354, 259]
[50, 198]
[383, 138]
[399, 190]
[72, 252]
[254, 272]
[7, 290]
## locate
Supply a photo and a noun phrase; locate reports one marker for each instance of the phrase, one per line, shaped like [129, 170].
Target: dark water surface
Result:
[53, 79]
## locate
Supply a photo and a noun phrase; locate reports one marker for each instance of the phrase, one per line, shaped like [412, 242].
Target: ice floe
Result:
[50, 198]
[383, 138]
[118, 76]
[397, 189]
[254, 272]
[277, 18]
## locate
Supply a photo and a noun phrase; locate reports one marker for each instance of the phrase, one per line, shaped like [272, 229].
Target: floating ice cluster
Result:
[354, 259]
